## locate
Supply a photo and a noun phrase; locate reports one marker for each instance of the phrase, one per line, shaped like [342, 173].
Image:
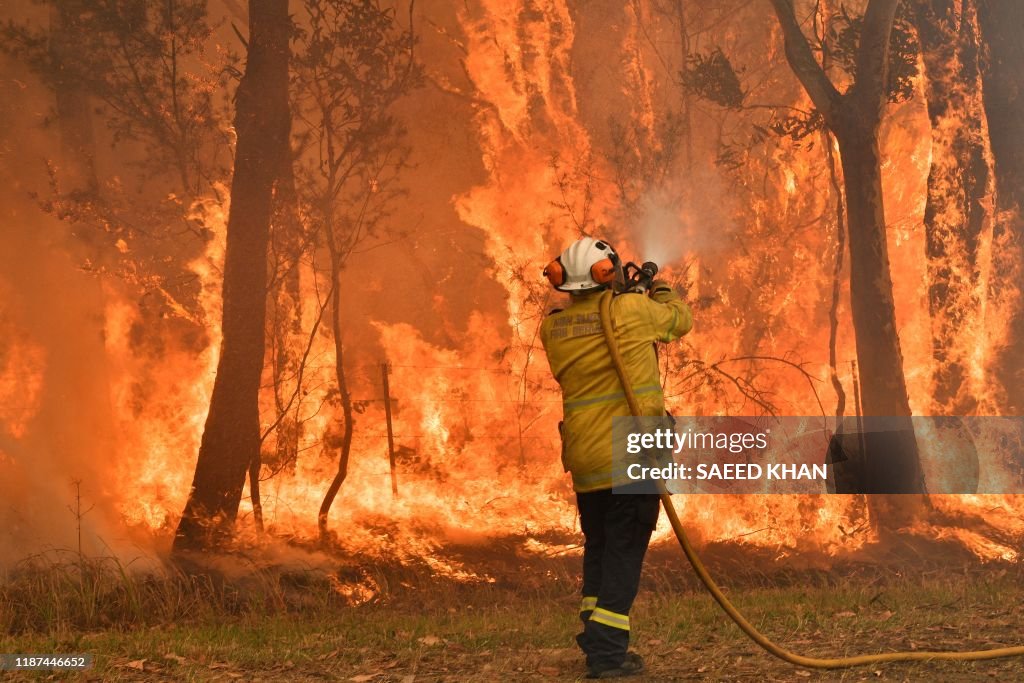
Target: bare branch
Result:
[800, 57]
[241, 38]
[302, 366]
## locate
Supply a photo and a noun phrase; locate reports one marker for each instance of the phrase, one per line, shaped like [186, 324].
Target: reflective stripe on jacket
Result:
[591, 392]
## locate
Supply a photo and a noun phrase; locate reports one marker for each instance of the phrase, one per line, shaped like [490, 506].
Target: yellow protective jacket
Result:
[591, 392]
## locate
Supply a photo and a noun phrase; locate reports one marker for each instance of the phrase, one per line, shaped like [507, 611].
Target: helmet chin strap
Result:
[618, 285]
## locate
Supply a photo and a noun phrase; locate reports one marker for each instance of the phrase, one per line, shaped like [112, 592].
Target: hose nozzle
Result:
[639, 278]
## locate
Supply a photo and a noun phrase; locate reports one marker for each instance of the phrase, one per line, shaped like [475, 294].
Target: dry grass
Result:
[294, 625]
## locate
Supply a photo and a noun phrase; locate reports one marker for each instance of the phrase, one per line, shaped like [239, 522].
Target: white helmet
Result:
[586, 264]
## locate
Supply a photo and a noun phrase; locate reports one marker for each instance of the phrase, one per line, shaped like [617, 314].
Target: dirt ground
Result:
[519, 625]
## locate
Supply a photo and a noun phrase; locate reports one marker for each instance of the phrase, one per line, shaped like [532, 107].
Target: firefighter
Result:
[616, 526]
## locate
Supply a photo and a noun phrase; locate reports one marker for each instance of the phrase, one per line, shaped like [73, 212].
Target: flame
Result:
[475, 420]
[22, 364]
[161, 404]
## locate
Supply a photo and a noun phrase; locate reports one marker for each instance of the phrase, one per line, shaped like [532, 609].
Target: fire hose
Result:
[702, 573]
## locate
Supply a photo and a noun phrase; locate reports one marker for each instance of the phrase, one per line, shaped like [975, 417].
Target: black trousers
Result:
[617, 529]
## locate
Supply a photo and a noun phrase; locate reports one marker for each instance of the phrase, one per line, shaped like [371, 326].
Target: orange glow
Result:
[475, 410]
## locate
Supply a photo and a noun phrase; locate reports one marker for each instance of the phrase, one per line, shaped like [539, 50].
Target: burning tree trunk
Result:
[854, 117]
[1002, 25]
[958, 184]
[231, 437]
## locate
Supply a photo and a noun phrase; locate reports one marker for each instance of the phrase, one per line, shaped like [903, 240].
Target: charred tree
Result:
[854, 117]
[958, 186]
[1002, 25]
[231, 437]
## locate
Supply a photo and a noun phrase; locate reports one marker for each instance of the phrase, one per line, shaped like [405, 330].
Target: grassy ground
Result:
[284, 627]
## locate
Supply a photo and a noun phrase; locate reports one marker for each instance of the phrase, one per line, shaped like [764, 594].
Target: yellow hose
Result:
[723, 601]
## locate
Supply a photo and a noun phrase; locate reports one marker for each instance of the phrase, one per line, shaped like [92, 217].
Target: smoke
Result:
[676, 223]
[112, 390]
[661, 231]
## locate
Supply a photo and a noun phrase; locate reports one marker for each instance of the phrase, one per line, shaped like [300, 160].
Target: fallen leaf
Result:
[363, 678]
[408, 679]
[177, 658]
[430, 640]
[803, 674]
[138, 665]
[548, 670]
[655, 642]
[846, 614]
[329, 655]
[885, 616]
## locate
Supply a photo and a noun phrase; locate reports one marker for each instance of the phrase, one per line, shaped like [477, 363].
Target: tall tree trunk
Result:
[884, 391]
[1002, 28]
[231, 437]
[958, 183]
[855, 117]
[892, 459]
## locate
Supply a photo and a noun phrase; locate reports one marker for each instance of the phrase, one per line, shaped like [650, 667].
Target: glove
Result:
[663, 292]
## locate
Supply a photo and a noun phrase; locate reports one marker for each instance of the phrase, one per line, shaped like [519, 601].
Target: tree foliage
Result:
[351, 63]
[146, 67]
[843, 38]
[712, 76]
[144, 62]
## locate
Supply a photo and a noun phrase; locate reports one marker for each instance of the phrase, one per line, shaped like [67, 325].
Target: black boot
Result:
[632, 665]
